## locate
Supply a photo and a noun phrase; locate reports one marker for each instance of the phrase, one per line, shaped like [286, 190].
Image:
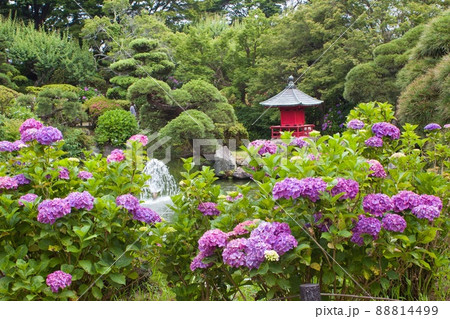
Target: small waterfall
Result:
[158, 189]
[161, 182]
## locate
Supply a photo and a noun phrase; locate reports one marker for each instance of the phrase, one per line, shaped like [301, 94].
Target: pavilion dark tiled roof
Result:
[291, 96]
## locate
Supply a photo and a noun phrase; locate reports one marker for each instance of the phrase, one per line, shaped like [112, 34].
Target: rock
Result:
[239, 173]
[223, 161]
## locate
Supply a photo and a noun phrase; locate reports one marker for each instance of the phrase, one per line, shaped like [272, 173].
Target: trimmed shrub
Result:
[203, 92]
[426, 99]
[76, 141]
[115, 127]
[98, 105]
[60, 107]
[6, 96]
[189, 125]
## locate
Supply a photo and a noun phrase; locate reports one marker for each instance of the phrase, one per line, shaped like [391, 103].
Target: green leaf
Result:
[263, 269]
[81, 231]
[97, 293]
[392, 275]
[345, 233]
[87, 266]
[385, 283]
[118, 278]
[270, 280]
[124, 261]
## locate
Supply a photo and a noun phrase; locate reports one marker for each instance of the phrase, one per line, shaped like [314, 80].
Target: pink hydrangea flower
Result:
[58, 280]
[30, 124]
[84, 175]
[377, 168]
[116, 156]
[139, 138]
[7, 182]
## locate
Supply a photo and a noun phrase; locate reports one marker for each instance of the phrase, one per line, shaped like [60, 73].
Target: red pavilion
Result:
[292, 103]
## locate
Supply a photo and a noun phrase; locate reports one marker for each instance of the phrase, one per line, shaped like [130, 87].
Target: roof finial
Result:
[291, 83]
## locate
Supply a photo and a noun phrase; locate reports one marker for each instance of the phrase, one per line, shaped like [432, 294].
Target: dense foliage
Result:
[64, 221]
[365, 219]
[115, 127]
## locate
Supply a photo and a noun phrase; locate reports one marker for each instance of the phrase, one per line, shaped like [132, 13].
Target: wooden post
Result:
[310, 292]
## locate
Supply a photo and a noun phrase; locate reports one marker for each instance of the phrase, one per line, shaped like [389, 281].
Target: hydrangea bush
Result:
[66, 233]
[378, 210]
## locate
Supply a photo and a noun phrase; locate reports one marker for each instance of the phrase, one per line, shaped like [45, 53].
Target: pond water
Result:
[166, 178]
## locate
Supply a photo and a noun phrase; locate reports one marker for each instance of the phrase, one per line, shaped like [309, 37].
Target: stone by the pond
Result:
[239, 173]
[224, 161]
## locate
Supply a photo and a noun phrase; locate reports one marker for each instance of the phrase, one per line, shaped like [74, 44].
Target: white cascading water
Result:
[158, 189]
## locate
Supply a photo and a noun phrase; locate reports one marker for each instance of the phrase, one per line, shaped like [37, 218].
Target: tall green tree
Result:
[52, 14]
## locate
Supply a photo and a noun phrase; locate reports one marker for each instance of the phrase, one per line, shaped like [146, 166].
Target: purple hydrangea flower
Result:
[128, 201]
[19, 144]
[299, 142]
[265, 147]
[430, 200]
[324, 227]
[377, 168]
[234, 253]
[432, 127]
[394, 223]
[30, 124]
[6, 146]
[84, 175]
[58, 280]
[287, 188]
[447, 126]
[198, 263]
[277, 235]
[21, 179]
[211, 240]
[426, 212]
[349, 187]
[27, 198]
[28, 135]
[365, 225]
[7, 182]
[116, 156]
[255, 252]
[208, 209]
[63, 173]
[48, 135]
[313, 157]
[374, 141]
[50, 210]
[139, 138]
[386, 129]
[311, 187]
[377, 204]
[146, 215]
[405, 200]
[355, 124]
[82, 200]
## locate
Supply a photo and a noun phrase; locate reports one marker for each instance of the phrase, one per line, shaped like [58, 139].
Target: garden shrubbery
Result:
[115, 127]
[71, 229]
[363, 212]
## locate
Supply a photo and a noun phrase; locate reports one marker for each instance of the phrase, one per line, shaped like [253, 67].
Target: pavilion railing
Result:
[297, 130]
